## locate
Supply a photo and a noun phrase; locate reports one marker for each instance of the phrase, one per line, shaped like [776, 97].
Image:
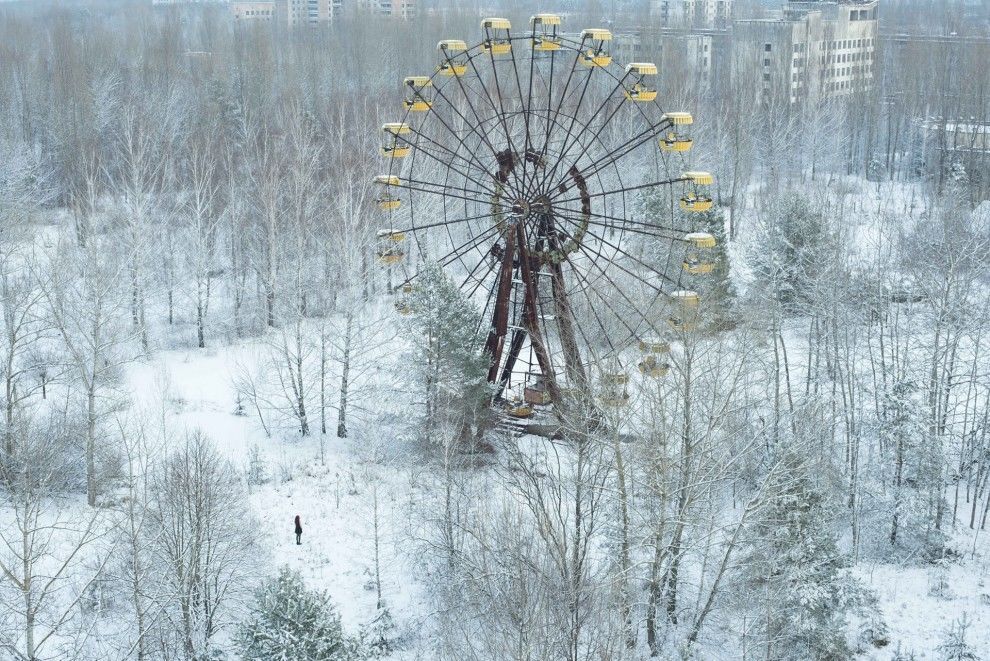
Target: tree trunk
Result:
[344, 379]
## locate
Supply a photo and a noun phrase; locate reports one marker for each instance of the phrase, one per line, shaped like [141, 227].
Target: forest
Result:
[737, 405]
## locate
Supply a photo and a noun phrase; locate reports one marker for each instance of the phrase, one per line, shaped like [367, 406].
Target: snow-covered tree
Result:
[289, 622]
[787, 255]
[795, 575]
[451, 368]
[915, 478]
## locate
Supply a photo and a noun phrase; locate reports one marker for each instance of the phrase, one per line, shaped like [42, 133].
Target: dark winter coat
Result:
[298, 525]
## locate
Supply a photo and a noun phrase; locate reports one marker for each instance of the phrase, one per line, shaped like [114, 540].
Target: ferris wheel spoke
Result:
[526, 109]
[556, 113]
[550, 174]
[633, 230]
[472, 243]
[470, 163]
[588, 143]
[445, 223]
[585, 286]
[621, 291]
[624, 189]
[643, 317]
[498, 110]
[649, 268]
[443, 193]
[441, 161]
[627, 147]
[624, 221]
[477, 128]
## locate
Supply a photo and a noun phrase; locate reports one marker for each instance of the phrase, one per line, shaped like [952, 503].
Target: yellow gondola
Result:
[595, 55]
[392, 147]
[648, 345]
[684, 317]
[642, 74]
[390, 251]
[453, 57]
[519, 409]
[699, 259]
[416, 97]
[696, 197]
[653, 367]
[496, 36]
[686, 298]
[404, 305]
[613, 384]
[387, 201]
[545, 37]
[677, 138]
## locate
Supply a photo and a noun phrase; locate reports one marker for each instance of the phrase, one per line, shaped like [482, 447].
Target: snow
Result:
[918, 617]
[334, 499]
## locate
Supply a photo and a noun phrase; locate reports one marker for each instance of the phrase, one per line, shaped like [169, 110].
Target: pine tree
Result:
[954, 645]
[915, 476]
[290, 623]
[795, 576]
[453, 369]
[790, 253]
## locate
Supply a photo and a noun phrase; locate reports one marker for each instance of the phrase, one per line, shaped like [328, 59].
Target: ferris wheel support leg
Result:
[500, 318]
[531, 321]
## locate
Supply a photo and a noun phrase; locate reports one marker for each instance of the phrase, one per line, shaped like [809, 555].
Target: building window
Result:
[766, 48]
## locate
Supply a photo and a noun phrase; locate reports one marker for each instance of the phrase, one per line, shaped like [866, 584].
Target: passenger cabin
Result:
[677, 138]
[453, 57]
[613, 387]
[696, 196]
[497, 40]
[684, 316]
[545, 37]
[535, 389]
[417, 94]
[642, 88]
[387, 201]
[594, 52]
[653, 367]
[700, 258]
[390, 246]
[392, 147]
[404, 305]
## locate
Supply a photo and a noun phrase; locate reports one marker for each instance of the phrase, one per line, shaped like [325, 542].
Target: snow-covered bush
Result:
[954, 645]
[289, 622]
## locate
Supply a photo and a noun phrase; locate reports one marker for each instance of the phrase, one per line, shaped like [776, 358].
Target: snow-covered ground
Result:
[335, 497]
[335, 500]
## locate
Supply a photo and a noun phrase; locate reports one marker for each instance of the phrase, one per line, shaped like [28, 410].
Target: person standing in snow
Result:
[298, 530]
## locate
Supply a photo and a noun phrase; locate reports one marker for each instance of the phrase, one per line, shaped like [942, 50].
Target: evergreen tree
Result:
[795, 576]
[448, 341]
[290, 623]
[915, 478]
[791, 252]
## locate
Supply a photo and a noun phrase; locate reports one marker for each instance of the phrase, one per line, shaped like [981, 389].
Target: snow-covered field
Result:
[335, 500]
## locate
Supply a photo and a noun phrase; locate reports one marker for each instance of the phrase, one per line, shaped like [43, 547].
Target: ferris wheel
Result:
[548, 182]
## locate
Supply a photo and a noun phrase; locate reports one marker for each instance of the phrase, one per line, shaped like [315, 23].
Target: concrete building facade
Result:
[253, 11]
[691, 13]
[814, 50]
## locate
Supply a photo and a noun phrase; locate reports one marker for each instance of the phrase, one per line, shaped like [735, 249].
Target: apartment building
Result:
[309, 12]
[813, 50]
[691, 13]
[253, 11]
[316, 12]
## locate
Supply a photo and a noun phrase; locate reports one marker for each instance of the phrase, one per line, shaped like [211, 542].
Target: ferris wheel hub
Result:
[520, 209]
